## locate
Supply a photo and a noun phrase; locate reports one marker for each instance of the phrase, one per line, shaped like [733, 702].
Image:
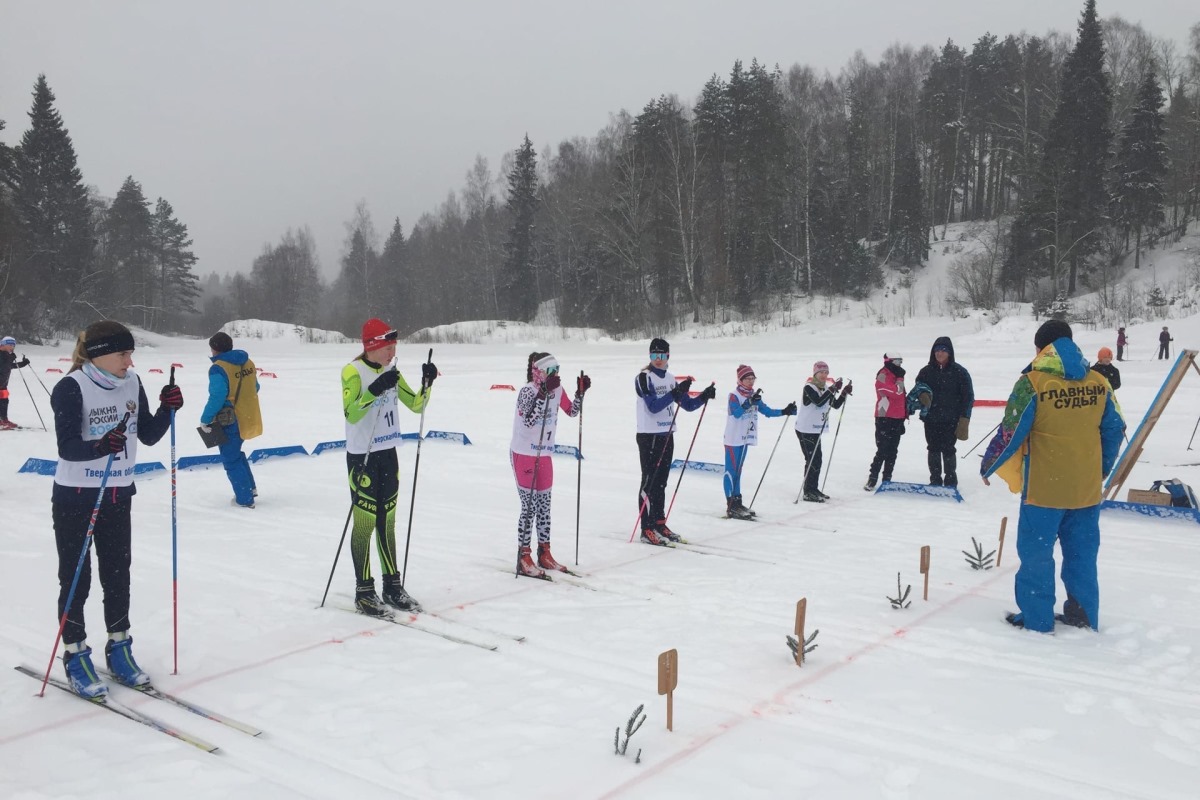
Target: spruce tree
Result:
[1077, 151]
[51, 202]
[393, 280]
[1141, 166]
[909, 234]
[518, 285]
[129, 279]
[173, 260]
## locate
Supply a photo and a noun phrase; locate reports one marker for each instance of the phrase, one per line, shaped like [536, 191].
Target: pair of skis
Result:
[414, 621]
[108, 703]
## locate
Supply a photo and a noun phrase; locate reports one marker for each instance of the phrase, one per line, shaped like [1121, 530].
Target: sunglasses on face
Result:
[659, 356]
[390, 336]
[552, 370]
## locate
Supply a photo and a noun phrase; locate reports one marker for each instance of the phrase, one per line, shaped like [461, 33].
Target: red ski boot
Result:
[546, 559]
[525, 565]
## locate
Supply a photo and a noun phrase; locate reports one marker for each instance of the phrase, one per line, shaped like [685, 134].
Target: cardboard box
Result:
[1148, 497]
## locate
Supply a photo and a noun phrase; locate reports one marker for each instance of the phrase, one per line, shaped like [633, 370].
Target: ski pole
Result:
[768, 466]
[35, 405]
[1189, 447]
[355, 482]
[836, 431]
[44, 389]
[537, 462]
[174, 549]
[412, 502]
[666, 438]
[579, 475]
[687, 458]
[987, 436]
[87, 543]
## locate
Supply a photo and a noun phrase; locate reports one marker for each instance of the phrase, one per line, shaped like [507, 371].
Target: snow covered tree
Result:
[173, 259]
[518, 284]
[1141, 166]
[57, 234]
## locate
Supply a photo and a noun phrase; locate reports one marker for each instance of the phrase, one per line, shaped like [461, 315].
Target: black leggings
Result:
[373, 491]
[655, 451]
[111, 540]
[810, 445]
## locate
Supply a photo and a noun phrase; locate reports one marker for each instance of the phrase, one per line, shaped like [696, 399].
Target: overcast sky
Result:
[253, 116]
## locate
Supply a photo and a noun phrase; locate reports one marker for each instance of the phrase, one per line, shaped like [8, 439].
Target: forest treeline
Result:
[773, 183]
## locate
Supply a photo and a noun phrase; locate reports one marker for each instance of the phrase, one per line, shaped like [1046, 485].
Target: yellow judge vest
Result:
[1063, 450]
[245, 401]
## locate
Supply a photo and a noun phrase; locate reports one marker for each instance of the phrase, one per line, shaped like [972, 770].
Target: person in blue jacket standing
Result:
[741, 431]
[233, 404]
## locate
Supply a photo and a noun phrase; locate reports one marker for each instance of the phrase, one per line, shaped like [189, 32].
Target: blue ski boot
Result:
[119, 655]
[77, 661]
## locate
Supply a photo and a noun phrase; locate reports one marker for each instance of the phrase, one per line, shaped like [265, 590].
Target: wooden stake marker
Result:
[668, 679]
[925, 568]
[801, 610]
[1000, 549]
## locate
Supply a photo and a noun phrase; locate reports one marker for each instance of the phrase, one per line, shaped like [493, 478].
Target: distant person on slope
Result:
[534, 426]
[1122, 343]
[1106, 368]
[90, 404]
[1059, 439]
[1164, 343]
[370, 388]
[233, 404]
[741, 431]
[8, 362]
[891, 410]
[657, 395]
[949, 414]
[811, 422]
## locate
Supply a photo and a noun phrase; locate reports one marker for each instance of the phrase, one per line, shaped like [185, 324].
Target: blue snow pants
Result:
[735, 459]
[1078, 532]
[237, 468]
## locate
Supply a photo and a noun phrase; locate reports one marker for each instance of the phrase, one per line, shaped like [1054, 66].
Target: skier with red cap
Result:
[741, 431]
[371, 387]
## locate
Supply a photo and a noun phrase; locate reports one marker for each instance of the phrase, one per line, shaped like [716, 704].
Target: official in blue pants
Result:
[1059, 438]
[233, 404]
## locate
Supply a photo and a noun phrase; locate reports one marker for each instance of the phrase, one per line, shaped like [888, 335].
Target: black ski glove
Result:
[551, 383]
[790, 409]
[849, 390]
[837, 385]
[386, 380]
[752, 400]
[681, 389]
[171, 397]
[582, 384]
[709, 393]
[24, 362]
[111, 442]
[429, 373]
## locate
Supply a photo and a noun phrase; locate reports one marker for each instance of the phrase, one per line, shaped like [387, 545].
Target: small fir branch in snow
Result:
[638, 758]
[794, 644]
[631, 727]
[978, 560]
[899, 601]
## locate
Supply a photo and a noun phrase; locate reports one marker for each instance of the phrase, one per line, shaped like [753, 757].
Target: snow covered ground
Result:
[942, 700]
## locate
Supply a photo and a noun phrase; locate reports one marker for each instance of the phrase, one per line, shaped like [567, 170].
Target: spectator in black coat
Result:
[1106, 368]
[1164, 343]
[949, 414]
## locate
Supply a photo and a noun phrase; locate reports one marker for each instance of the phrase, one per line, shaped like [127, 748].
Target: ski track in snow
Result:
[940, 700]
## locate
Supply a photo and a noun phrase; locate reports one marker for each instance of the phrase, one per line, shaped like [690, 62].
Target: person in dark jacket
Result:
[949, 412]
[1122, 342]
[8, 362]
[1164, 343]
[1105, 367]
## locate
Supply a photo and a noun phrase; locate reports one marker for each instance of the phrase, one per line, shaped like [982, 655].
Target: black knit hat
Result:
[1051, 331]
[221, 342]
[659, 346]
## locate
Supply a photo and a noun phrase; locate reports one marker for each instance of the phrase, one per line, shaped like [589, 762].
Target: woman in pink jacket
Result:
[890, 414]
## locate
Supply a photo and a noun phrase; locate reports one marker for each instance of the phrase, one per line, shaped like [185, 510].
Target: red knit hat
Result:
[745, 372]
[377, 334]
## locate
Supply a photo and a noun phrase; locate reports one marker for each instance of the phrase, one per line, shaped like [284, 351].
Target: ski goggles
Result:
[659, 356]
[390, 336]
[552, 369]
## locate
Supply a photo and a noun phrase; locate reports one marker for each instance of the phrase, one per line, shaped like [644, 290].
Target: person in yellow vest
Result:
[1060, 437]
[233, 404]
